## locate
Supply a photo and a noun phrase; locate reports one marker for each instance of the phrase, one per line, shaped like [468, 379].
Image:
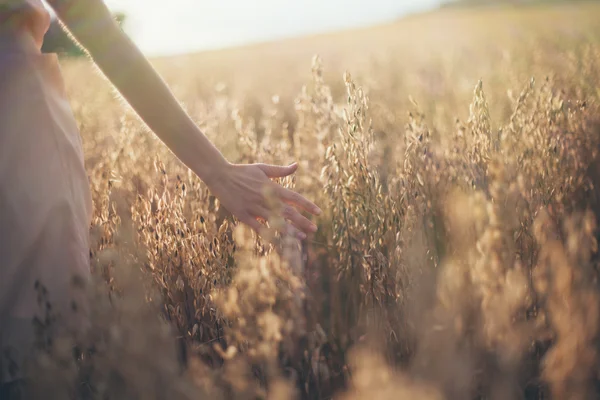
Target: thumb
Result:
[276, 171]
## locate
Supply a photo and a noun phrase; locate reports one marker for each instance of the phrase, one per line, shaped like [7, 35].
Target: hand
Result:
[241, 190]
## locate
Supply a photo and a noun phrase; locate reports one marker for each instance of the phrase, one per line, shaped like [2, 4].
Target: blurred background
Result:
[189, 25]
[183, 26]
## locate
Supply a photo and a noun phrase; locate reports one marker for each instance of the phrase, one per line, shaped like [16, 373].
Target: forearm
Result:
[139, 84]
[149, 96]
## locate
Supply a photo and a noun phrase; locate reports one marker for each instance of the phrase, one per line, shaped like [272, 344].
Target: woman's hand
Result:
[241, 190]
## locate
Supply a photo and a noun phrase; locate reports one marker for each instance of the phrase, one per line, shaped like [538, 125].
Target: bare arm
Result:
[92, 25]
[238, 187]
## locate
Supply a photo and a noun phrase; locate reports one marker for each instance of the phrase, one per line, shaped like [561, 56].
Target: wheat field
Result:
[455, 157]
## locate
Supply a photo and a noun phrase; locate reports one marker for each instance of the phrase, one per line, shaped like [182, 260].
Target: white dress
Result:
[45, 201]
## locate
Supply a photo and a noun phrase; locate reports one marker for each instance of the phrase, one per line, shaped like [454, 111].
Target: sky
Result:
[168, 27]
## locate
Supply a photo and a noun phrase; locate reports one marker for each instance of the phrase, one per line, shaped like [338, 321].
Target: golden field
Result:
[455, 157]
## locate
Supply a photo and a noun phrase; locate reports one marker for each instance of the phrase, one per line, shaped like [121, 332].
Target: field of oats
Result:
[455, 156]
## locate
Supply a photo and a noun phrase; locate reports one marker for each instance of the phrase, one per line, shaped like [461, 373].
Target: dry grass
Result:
[457, 253]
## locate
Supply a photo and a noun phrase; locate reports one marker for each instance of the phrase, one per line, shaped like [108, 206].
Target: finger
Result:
[298, 220]
[291, 230]
[261, 212]
[276, 171]
[296, 199]
[252, 223]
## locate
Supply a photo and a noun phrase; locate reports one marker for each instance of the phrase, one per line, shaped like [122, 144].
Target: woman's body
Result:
[45, 203]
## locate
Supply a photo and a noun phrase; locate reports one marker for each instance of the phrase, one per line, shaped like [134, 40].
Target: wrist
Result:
[213, 167]
[198, 153]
